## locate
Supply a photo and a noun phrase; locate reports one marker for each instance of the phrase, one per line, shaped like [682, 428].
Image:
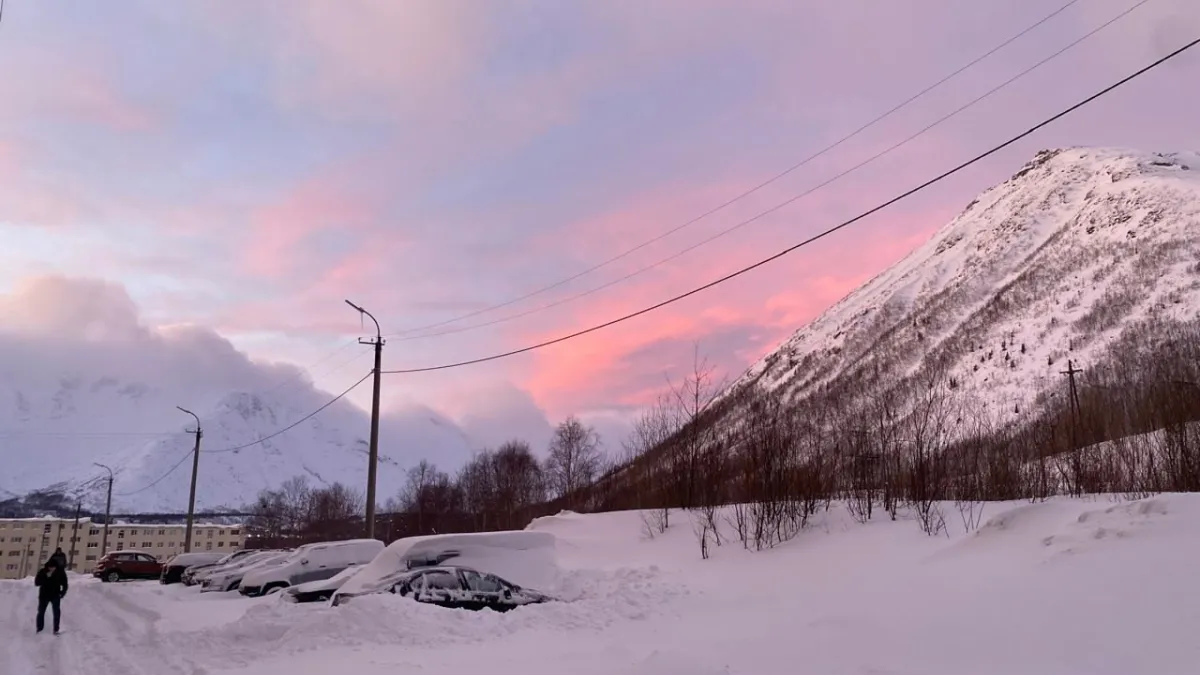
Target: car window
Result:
[482, 583]
[145, 558]
[441, 581]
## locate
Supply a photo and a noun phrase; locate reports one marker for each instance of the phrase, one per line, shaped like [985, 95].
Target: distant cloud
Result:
[83, 379]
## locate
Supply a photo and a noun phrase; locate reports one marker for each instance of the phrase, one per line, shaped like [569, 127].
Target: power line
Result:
[252, 443]
[742, 195]
[295, 424]
[816, 237]
[819, 186]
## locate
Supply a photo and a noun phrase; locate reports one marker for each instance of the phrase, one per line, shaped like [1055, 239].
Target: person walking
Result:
[51, 581]
[59, 557]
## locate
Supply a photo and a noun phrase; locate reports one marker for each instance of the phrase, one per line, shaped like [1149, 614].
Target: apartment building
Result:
[25, 543]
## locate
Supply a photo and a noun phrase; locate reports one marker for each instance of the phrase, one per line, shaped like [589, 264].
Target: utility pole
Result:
[107, 510]
[74, 534]
[373, 461]
[1070, 372]
[1077, 460]
[187, 537]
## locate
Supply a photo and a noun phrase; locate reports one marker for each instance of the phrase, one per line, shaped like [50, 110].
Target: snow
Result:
[526, 558]
[1023, 266]
[1090, 586]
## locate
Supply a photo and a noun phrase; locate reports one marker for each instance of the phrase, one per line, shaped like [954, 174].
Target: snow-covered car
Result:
[319, 591]
[454, 587]
[196, 573]
[517, 559]
[229, 578]
[310, 562]
[173, 569]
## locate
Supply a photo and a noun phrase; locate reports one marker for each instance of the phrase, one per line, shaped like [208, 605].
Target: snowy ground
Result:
[1086, 586]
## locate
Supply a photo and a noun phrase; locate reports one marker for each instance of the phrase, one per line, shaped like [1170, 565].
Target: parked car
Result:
[319, 591]
[230, 577]
[173, 569]
[310, 562]
[195, 574]
[131, 564]
[454, 587]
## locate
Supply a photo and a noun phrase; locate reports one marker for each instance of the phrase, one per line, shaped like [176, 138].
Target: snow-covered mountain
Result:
[53, 436]
[1080, 247]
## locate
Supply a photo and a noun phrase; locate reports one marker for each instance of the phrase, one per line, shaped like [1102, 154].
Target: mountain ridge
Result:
[1013, 269]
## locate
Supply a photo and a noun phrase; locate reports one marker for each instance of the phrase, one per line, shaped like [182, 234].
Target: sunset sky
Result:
[246, 166]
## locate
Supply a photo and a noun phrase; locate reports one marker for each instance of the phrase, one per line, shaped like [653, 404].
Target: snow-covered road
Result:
[1093, 586]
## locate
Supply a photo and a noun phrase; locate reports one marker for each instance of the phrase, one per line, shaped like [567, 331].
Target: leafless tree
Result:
[574, 460]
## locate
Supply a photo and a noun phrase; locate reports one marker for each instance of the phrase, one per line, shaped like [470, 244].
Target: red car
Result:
[120, 565]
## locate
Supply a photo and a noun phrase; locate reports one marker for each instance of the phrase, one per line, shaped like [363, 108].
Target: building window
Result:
[208, 546]
[10, 566]
[120, 546]
[120, 534]
[94, 531]
[234, 533]
[210, 534]
[220, 544]
[46, 528]
[13, 553]
[221, 532]
[161, 532]
[159, 544]
[146, 544]
[92, 544]
[16, 539]
[90, 557]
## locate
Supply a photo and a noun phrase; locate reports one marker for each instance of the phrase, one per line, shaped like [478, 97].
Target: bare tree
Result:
[574, 460]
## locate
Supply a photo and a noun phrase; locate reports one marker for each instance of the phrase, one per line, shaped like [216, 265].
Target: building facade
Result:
[26, 543]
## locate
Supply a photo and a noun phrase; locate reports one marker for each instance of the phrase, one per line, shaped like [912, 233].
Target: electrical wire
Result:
[870, 160]
[814, 238]
[247, 445]
[742, 195]
[295, 424]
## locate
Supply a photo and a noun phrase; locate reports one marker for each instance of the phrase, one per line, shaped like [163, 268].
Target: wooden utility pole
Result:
[1076, 458]
[1070, 372]
[107, 511]
[187, 537]
[373, 458]
[74, 535]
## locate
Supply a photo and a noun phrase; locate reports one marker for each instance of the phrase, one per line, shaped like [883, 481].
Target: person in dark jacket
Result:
[60, 557]
[51, 581]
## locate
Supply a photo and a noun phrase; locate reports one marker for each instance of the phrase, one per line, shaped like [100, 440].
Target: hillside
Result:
[1081, 251]
[53, 436]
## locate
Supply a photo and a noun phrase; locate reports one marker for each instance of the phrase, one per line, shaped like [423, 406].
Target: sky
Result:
[241, 169]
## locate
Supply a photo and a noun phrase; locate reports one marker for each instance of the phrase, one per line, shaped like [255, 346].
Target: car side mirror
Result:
[304, 561]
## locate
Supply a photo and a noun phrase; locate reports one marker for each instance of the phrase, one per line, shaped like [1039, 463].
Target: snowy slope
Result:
[1088, 587]
[1078, 247]
[53, 436]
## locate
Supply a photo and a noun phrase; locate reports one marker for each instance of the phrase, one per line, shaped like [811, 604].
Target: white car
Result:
[526, 557]
[229, 578]
[319, 591]
[310, 562]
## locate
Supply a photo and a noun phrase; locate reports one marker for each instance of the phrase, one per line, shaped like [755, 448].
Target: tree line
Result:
[499, 489]
[759, 463]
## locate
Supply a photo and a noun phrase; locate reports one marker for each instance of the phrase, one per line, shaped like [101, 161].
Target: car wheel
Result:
[113, 576]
